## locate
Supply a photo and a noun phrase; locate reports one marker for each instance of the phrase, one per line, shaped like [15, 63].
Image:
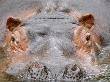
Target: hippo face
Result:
[41, 48]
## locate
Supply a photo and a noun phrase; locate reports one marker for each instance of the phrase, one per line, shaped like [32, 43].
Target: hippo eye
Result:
[88, 37]
[13, 39]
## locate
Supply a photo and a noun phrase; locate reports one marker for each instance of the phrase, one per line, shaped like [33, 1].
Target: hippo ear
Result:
[12, 23]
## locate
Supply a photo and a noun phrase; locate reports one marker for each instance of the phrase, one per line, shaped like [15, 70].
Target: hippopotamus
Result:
[44, 47]
[41, 48]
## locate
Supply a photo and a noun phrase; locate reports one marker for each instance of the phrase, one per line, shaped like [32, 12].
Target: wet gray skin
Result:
[50, 49]
[50, 39]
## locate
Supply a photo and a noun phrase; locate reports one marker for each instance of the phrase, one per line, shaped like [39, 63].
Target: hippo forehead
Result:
[46, 29]
[54, 22]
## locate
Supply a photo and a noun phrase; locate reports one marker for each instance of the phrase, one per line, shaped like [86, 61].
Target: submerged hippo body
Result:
[44, 50]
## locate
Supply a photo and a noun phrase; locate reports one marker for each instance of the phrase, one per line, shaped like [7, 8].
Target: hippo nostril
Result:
[74, 68]
[45, 70]
[88, 37]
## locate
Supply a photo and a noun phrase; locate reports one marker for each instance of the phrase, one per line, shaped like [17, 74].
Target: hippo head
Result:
[41, 48]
